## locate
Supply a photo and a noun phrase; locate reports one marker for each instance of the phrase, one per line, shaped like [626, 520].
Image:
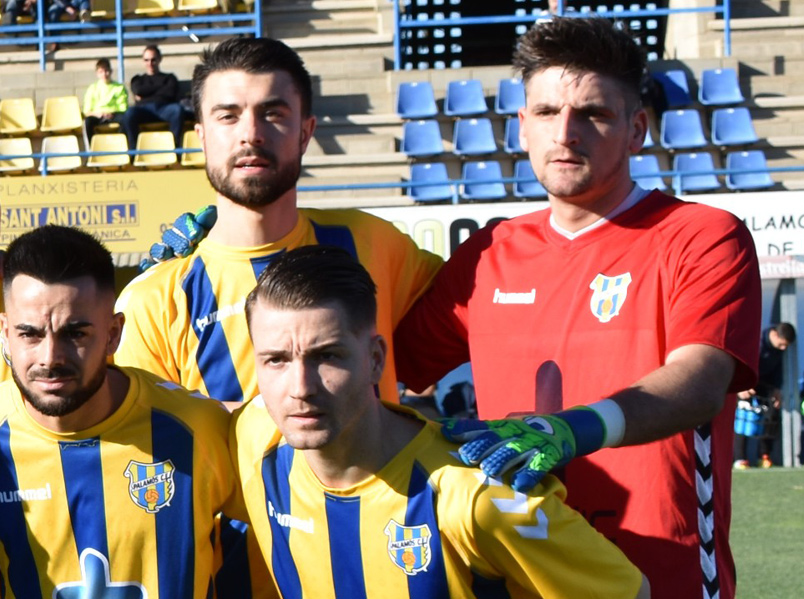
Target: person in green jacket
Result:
[105, 101]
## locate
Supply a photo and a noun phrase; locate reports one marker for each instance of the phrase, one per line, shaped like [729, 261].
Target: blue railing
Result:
[191, 25]
[401, 24]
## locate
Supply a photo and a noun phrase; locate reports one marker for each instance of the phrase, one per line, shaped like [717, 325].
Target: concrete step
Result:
[351, 143]
[741, 9]
[346, 23]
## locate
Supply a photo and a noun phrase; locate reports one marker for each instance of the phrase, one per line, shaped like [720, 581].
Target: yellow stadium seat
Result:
[153, 7]
[155, 140]
[104, 9]
[190, 140]
[197, 6]
[61, 144]
[61, 115]
[16, 146]
[109, 142]
[17, 116]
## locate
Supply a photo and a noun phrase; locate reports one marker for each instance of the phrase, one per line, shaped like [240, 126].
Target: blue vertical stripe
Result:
[83, 481]
[489, 588]
[276, 467]
[175, 525]
[23, 579]
[422, 510]
[258, 264]
[345, 551]
[212, 354]
[337, 235]
[233, 579]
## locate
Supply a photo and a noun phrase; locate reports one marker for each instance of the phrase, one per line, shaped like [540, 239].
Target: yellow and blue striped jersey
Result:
[122, 510]
[184, 317]
[425, 526]
[5, 369]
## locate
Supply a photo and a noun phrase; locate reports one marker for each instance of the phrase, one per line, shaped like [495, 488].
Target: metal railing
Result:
[401, 24]
[190, 25]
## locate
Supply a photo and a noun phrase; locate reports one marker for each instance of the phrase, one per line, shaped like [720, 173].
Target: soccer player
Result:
[639, 311]
[351, 497]
[184, 322]
[109, 477]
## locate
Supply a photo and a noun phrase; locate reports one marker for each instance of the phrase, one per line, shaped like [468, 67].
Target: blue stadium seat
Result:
[682, 129]
[645, 171]
[430, 173]
[510, 96]
[529, 187]
[473, 137]
[511, 143]
[719, 87]
[752, 160]
[421, 138]
[695, 172]
[483, 181]
[465, 98]
[675, 86]
[732, 127]
[416, 100]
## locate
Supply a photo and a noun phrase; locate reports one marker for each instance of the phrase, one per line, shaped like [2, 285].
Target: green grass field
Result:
[767, 533]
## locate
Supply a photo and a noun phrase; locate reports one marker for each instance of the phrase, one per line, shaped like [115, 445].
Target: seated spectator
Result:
[105, 100]
[77, 9]
[12, 9]
[156, 96]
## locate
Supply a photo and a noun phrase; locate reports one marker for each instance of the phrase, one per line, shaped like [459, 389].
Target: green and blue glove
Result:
[183, 237]
[535, 445]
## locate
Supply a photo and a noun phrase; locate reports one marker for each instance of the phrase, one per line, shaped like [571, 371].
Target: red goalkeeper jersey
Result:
[550, 323]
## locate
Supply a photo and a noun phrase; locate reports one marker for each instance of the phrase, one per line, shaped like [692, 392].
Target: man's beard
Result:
[255, 192]
[68, 404]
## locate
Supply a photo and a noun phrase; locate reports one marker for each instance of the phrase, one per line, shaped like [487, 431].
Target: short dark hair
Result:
[153, 48]
[252, 55]
[103, 63]
[581, 45]
[55, 254]
[786, 331]
[314, 275]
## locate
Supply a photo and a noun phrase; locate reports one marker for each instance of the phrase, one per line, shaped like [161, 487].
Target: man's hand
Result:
[537, 444]
[183, 237]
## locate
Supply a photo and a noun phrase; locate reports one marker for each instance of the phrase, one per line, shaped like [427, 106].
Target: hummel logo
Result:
[514, 298]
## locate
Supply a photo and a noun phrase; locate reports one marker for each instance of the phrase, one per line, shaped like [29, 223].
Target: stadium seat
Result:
[510, 96]
[752, 160]
[109, 142]
[676, 87]
[682, 129]
[695, 172]
[61, 115]
[483, 181]
[732, 127]
[155, 140]
[16, 146]
[511, 143]
[473, 137]
[430, 173]
[17, 116]
[197, 7]
[103, 9]
[61, 144]
[645, 171]
[465, 98]
[529, 187]
[190, 141]
[719, 87]
[153, 8]
[422, 138]
[415, 100]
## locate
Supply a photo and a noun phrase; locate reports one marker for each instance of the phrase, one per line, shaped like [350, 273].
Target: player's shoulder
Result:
[677, 214]
[359, 221]
[158, 282]
[8, 389]
[253, 433]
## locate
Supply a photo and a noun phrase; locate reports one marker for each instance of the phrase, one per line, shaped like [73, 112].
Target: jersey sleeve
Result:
[541, 547]
[432, 338]
[145, 342]
[715, 294]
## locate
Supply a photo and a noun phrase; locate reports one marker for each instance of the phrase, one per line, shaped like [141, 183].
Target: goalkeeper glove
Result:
[183, 237]
[536, 444]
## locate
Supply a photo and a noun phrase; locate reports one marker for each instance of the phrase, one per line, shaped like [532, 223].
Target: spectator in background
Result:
[156, 98]
[76, 9]
[774, 342]
[105, 101]
[14, 8]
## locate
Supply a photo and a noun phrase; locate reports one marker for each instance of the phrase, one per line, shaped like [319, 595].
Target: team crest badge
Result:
[150, 485]
[409, 547]
[608, 295]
